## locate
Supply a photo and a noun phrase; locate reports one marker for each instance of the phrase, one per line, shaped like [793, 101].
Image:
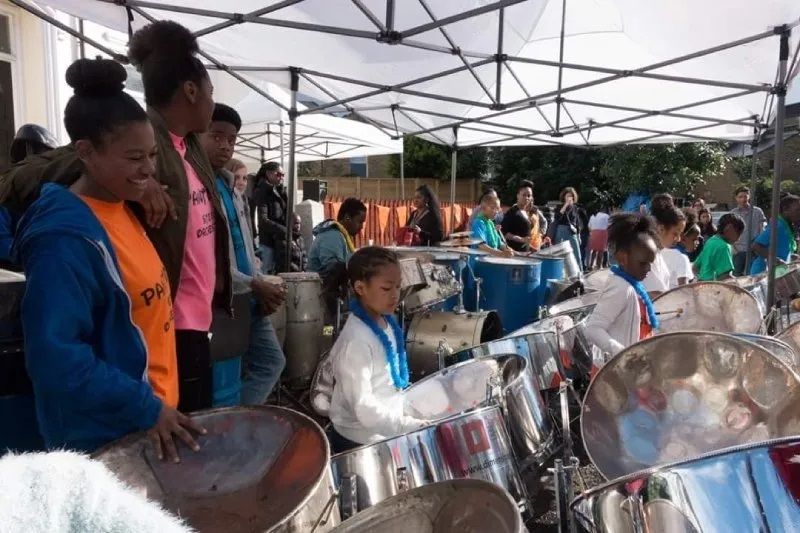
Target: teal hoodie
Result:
[329, 248]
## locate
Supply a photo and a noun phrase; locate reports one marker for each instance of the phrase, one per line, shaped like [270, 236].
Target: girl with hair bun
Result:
[97, 310]
[624, 314]
[179, 206]
[670, 223]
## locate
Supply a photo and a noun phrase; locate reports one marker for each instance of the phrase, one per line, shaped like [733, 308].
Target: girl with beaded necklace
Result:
[370, 368]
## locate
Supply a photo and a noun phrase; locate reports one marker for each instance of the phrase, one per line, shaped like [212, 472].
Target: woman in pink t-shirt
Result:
[182, 207]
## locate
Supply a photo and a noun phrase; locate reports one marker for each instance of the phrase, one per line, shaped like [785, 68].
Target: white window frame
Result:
[13, 58]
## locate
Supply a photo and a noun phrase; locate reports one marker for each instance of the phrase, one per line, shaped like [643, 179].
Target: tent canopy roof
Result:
[421, 67]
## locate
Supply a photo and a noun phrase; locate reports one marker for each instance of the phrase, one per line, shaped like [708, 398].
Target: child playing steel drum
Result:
[370, 368]
[624, 314]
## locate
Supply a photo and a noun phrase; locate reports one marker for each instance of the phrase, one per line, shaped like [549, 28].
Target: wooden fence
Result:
[385, 189]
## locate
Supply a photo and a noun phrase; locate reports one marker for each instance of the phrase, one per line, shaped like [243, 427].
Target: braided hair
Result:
[368, 261]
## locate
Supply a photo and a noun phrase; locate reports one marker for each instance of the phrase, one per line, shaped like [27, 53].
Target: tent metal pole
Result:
[500, 23]
[283, 150]
[417, 124]
[648, 112]
[676, 133]
[560, 62]
[257, 13]
[780, 114]
[488, 8]
[370, 15]
[292, 182]
[457, 51]
[403, 169]
[753, 185]
[663, 134]
[475, 120]
[240, 18]
[242, 79]
[81, 43]
[389, 16]
[68, 29]
[400, 87]
[453, 172]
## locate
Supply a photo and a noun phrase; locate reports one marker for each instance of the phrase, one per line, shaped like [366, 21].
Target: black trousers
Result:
[194, 370]
[339, 443]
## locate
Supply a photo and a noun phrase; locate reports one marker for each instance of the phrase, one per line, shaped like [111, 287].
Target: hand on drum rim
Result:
[171, 421]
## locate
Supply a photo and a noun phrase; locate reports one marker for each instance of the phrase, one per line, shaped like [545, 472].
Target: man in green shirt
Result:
[716, 260]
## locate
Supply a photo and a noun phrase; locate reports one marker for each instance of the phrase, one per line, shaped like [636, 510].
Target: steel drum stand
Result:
[564, 468]
[462, 264]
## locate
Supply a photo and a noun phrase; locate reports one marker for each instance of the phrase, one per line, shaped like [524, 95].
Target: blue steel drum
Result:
[454, 261]
[552, 268]
[511, 287]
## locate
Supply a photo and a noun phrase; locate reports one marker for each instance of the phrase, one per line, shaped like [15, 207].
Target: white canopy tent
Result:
[482, 72]
[263, 136]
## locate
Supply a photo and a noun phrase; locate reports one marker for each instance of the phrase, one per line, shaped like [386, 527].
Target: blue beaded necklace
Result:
[398, 362]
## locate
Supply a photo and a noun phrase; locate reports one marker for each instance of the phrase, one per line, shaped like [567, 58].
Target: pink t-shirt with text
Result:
[198, 273]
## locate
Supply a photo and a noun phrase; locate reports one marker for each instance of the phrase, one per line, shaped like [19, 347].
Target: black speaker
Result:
[315, 190]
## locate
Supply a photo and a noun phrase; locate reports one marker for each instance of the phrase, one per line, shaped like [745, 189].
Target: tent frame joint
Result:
[497, 106]
[391, 37]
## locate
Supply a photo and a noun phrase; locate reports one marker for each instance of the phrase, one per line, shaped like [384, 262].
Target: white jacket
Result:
[614, 323]
[366, 406]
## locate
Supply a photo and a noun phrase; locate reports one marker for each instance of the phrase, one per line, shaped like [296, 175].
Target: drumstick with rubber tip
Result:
[678, 311]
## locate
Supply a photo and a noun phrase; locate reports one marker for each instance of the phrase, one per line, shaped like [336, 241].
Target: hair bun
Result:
[163, 38]
[96, 78]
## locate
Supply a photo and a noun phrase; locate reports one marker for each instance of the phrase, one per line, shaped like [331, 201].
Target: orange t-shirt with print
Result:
[145, 280]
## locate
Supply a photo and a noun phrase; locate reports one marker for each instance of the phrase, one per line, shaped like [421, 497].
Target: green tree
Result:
[425, 159]
[606, 175]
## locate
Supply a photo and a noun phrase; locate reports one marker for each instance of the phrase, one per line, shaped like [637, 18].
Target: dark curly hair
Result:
[99, 104]
[625, 229]
[165, 53]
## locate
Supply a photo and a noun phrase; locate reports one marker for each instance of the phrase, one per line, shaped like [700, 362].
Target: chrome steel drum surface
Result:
[791, 336]
[502, 379]
[755, 285]
[679, 395]
[564, 250]
[574, 348]
[577, 308]
[787, 282]
[304, 324]
[259, 468]
[458, 331]
[749, 488]
[596, 280]
[472, 445]
[708, 306]
[440, 284]
[776, 347]
[456, 506]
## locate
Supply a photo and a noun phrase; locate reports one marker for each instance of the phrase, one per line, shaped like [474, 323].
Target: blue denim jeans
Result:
[263, 362]
[563, 233]
[267, 259]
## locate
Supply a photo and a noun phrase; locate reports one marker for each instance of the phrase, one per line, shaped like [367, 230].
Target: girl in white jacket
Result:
[624, 315]
[370, 368]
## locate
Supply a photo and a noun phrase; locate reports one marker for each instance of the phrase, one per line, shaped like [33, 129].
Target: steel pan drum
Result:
[787, 282]
[564, 250]
[676, 396]
[574, 351]
[596, 280]
[459, 331]
[278, 318]
[776, 347]
[578, 308]
[304, 325]
[708, 306]
[501, 379]
[749, 488]
[259, 468]
[471, 445]
[511, 287]
[457, 506]
[757, 286]
[791, 336]
[440, 284]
